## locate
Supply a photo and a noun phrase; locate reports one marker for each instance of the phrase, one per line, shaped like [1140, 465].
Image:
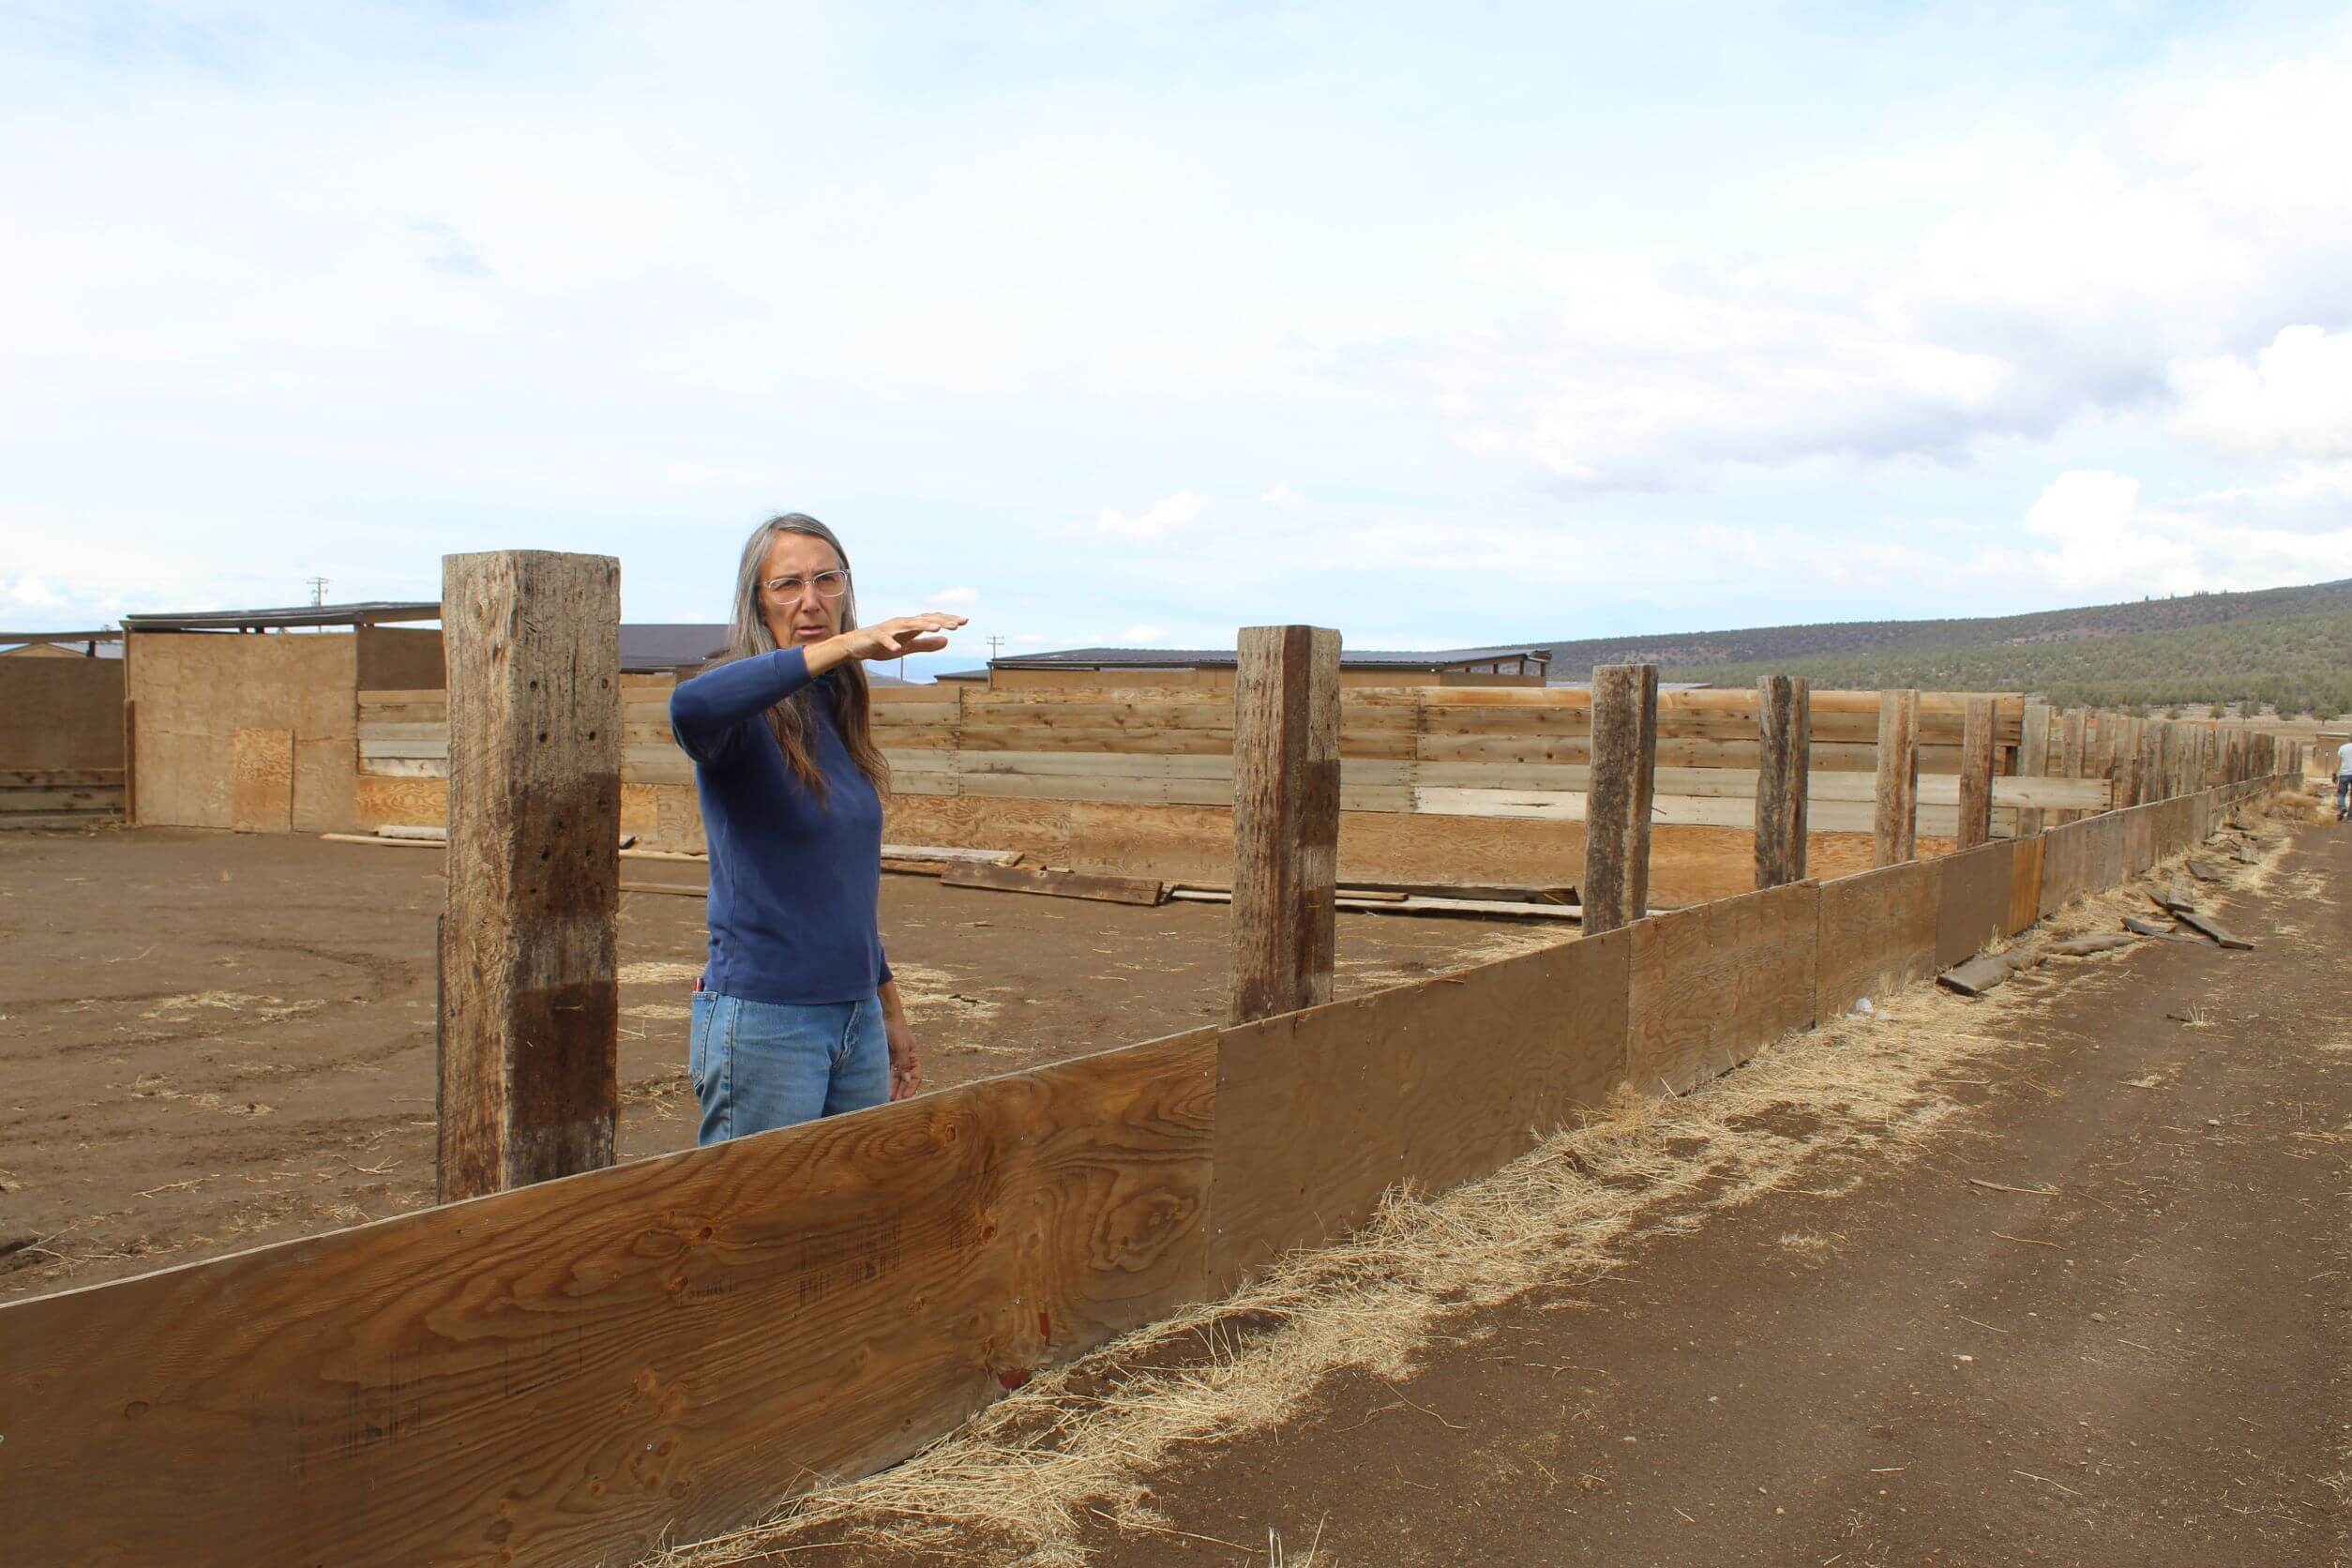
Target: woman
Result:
[796, 1015]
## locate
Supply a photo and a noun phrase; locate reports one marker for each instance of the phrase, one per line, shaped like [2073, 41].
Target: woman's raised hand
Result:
[893, 639]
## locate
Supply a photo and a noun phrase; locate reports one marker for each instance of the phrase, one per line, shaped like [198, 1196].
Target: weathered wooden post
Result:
[2034, 760]
[2149, 787]
[1286, 819]
[1621, 781]
[1784, 722]
[2099, 748]
[2069, 755]
[1895, 823]
[1976, 772]
[529, 996]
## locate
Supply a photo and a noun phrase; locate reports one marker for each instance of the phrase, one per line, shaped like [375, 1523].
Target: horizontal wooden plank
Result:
[405, 767]
[561, 1374]
[1053, 883]
[61, 797]
[14, 776]
[434, 695]
[40, 820]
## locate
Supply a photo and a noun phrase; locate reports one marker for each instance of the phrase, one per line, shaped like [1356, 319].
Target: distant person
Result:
[796, 1015]
[2344, 779]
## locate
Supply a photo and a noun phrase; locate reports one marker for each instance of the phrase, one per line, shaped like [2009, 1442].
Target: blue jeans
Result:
[757, 1065]
[2344, 787]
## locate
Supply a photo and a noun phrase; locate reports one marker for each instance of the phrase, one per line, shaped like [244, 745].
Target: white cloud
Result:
[1163, 517]
[1280, 495]
[2294, 399]
[951, 598]
[2108, 543]
[31, 591]
[1145, 634]
[1031, 639]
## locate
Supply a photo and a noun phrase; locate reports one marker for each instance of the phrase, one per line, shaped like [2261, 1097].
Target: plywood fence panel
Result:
[61, 713]
[1878, 934]
[2065, 863]
[1973, 901]
[575, 1371]
[1712, 984]
[261, 780]
[1319, 1112]
[2025, 884]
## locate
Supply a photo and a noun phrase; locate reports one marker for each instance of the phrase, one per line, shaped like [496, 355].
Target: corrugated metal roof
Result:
[1221, 659]
[365, 612]
[651, 645]
[13, 638]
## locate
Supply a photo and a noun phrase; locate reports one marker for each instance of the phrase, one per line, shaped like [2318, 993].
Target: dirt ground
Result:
[2152, 1365]
[2058, 1276]
[209, 1041]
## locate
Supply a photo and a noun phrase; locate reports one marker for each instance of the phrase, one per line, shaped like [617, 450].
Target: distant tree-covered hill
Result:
[2287, 648]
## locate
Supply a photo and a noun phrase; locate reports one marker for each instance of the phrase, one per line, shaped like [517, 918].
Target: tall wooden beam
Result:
[1624, 774]
[2034, 760]
[1784, 710]
[1976, 772]
[2070, 752]
[1895, 825]
[1286, 819]
[2150, 785]
[529, 994]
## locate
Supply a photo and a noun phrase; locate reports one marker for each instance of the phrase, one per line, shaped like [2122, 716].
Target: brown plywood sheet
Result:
[2025, 884]
[261, 780]
[576, 1371]
[1973, 903]
[1878, 934]
[1322, 1111]
[1710, 985]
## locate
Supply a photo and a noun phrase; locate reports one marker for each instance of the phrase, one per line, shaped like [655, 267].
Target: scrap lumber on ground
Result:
[1978, 974]
[1058, 884]
[2199, 924]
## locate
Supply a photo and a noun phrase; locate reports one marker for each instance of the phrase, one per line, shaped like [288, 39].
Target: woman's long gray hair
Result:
[845, 685]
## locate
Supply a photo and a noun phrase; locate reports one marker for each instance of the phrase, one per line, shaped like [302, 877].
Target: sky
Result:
[1133, 325]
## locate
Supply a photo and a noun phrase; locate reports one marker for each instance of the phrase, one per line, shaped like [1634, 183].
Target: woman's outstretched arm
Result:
[705, 711]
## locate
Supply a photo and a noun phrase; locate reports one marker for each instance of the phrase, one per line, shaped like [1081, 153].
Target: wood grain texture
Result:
[1057, 885]
[1972, 901]
[572, 1372]
[1894, 827]
[2033, 758]
[2025, 884]
[1615, 882]
[1286, 819]
[1878, 934]
[1711, 984]
[530, 999]
[261, 780]
[1977, 759]
[1322, 1111]
[1783, 781]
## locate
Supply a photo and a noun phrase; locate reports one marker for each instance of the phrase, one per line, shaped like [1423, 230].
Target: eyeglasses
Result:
[829, 585]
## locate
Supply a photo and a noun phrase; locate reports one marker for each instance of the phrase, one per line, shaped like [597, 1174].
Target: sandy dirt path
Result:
[2153, 1366]
[1783, 1320]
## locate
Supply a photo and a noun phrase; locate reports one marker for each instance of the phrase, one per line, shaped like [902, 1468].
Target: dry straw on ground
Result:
[1029, 1478]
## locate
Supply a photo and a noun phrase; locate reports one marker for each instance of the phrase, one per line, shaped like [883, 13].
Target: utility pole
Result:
[318, 591]
[994, 644]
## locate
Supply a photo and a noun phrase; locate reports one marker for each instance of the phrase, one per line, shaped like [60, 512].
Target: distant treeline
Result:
[2294, 664]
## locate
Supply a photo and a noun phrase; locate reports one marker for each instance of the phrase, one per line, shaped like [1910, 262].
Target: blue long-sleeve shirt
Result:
[794, 880]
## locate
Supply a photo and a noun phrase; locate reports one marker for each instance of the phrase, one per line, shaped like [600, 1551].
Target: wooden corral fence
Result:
[1437, 784]
[61, 742]
[580, 1369]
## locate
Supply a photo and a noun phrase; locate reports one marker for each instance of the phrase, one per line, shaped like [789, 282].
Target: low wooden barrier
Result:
[60, 797]
[582, 1369]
